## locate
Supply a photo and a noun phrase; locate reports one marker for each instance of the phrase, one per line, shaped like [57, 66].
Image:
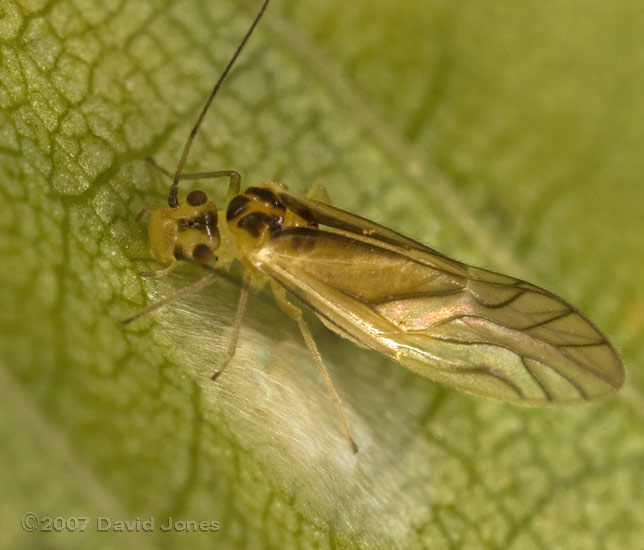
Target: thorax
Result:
[257, 215]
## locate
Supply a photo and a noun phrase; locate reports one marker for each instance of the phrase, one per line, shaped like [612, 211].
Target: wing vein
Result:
[579, 364]
[537, 380]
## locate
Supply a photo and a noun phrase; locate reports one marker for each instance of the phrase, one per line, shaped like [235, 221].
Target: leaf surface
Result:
[500, 134]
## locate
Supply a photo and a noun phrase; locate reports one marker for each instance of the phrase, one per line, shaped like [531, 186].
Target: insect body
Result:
[479, 331]
[472, 329]
[475, 330]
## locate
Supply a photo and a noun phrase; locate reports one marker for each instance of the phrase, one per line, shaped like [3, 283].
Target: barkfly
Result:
[471, 329]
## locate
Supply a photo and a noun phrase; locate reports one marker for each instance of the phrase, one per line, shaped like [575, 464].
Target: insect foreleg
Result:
[234, 184]
[160, 272]
[296, 314]
[194, 287]
[232, 343]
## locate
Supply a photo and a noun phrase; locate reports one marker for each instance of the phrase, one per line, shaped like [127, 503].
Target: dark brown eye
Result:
[196, 198]
[202, 253]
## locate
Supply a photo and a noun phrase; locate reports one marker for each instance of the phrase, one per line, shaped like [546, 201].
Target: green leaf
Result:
[504, 134]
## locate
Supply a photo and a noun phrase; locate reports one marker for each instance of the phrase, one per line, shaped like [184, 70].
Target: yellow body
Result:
[179, 233]
[478, 331]
[475, 330]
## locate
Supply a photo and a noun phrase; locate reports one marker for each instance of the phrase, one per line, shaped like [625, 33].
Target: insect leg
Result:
[296, 314]
[160, 273]
[232, 343]
[194, 287]
[319, 193]
[144, 211]
[234, 185]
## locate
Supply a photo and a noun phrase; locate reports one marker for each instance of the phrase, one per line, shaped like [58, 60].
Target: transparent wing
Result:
[472, 329]
[325, 214]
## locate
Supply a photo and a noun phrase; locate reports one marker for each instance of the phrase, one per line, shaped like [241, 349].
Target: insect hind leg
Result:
[296, 314]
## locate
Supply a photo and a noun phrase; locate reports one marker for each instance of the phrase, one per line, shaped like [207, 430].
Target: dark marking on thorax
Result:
[265, 195]
[256, 222]
[236, 206]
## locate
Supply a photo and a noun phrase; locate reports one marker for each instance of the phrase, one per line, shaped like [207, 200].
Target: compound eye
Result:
[196, 198]
[202, 254]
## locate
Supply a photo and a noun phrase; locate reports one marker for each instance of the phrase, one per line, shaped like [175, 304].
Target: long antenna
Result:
[174, 188]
